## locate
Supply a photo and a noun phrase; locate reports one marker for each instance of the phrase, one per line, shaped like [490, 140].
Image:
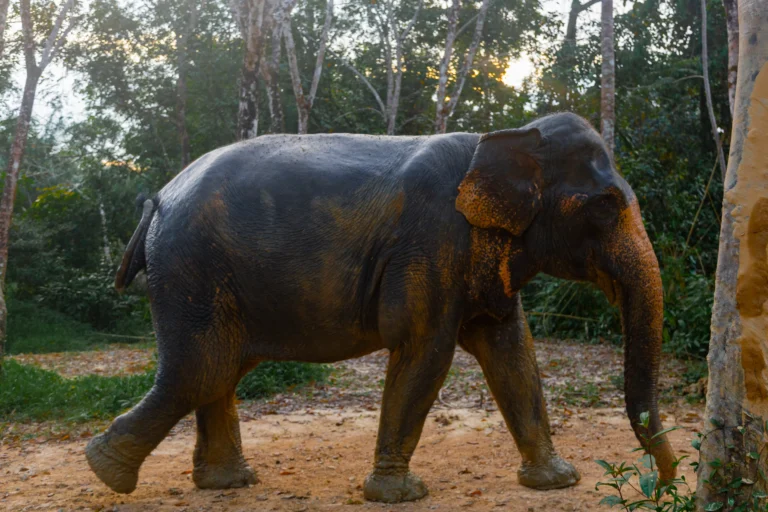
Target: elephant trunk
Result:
[634, 281]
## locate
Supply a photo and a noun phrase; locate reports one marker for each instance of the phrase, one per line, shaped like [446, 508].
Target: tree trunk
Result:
[53, 43]
[182, 43]
[250, 18]
[303, 102]
[732, 25]
[271, 69]
[3, 21]
[447, 109]
[608, 78]
[737, 398]
[441, 108]
[708, 90]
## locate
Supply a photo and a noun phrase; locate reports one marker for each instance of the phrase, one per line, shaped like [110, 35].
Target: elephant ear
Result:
[503, 186]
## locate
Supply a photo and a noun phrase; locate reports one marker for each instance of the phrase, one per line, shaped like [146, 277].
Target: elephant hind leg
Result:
[116, 455]
[218, 459]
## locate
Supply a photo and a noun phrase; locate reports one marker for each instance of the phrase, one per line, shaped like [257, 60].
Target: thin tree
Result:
[53, 44]
[737, 397]
[573, 16]
[3, 21]
[250, 16]
[708, 90]
[732, 27]
[608, 77]
[182, 63]
[392, 40]
[279, 12]
[304, 102]
[446, 105]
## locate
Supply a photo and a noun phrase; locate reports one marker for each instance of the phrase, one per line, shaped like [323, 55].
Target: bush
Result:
[274, 376]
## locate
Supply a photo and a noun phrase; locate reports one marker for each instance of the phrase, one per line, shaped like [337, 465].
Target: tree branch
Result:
[51, 42]
[27, 31]
[707, 90]
[321, 52]
[470, 56]
[368, 84]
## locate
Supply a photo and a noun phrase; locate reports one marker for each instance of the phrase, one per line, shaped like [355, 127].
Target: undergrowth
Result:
[29, 393]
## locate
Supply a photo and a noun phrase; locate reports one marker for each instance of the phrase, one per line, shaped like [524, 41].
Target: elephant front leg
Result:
[506, 354]
[415, 374]
[218, 459]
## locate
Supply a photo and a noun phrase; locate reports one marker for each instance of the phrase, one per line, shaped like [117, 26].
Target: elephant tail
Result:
[134, 258]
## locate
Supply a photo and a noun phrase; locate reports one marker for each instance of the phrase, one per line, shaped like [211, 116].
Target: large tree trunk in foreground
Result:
[608, 77]
[737, 397]
[732, 25]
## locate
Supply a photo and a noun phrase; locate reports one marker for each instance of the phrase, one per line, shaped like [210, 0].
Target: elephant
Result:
[321, 248]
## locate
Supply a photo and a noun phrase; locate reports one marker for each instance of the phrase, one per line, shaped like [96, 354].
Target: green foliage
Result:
[30, 393]
[677, 496]
[643, 478]
[274, 376]
[36, 329]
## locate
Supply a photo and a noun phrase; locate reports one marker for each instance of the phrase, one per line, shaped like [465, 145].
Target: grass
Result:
[29, 393]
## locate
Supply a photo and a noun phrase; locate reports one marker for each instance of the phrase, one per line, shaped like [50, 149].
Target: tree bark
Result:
[3, 21]
[608, 78]
[182, 50]
[52, 44]
[442, 84]
[576, 9]
[250, 15]
[303, 102]
[732, 26]
[708, 90]
[737, 398]
[446, 109]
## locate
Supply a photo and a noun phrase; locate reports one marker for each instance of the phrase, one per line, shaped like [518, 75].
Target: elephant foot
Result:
[394, 488]
[554, 474]
[107, 458]
[224, 476]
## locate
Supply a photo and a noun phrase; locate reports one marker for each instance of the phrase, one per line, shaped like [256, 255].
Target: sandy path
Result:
[313, 449]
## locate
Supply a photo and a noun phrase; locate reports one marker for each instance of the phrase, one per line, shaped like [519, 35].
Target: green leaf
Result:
[753, 455]
[717, 422]
[611, 501]
[645, 419]
[608, 467]
[716, 505]
[696, 443]
[648, 483]
[648, 460]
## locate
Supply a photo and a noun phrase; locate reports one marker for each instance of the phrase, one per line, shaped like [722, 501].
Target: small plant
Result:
[677, 496]
[642, 477]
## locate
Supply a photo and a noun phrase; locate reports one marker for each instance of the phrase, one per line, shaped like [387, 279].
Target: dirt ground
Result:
[313, 448]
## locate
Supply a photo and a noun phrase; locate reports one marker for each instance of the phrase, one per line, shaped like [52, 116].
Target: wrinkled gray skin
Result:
[327, 247]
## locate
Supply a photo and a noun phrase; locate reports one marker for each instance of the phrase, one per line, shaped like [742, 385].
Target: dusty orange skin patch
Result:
[750, 195]
[506, 278]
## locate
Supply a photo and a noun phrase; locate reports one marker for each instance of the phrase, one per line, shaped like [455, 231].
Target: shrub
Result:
[274, 376]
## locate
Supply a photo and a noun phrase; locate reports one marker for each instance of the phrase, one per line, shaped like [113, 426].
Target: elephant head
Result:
[552, 186]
